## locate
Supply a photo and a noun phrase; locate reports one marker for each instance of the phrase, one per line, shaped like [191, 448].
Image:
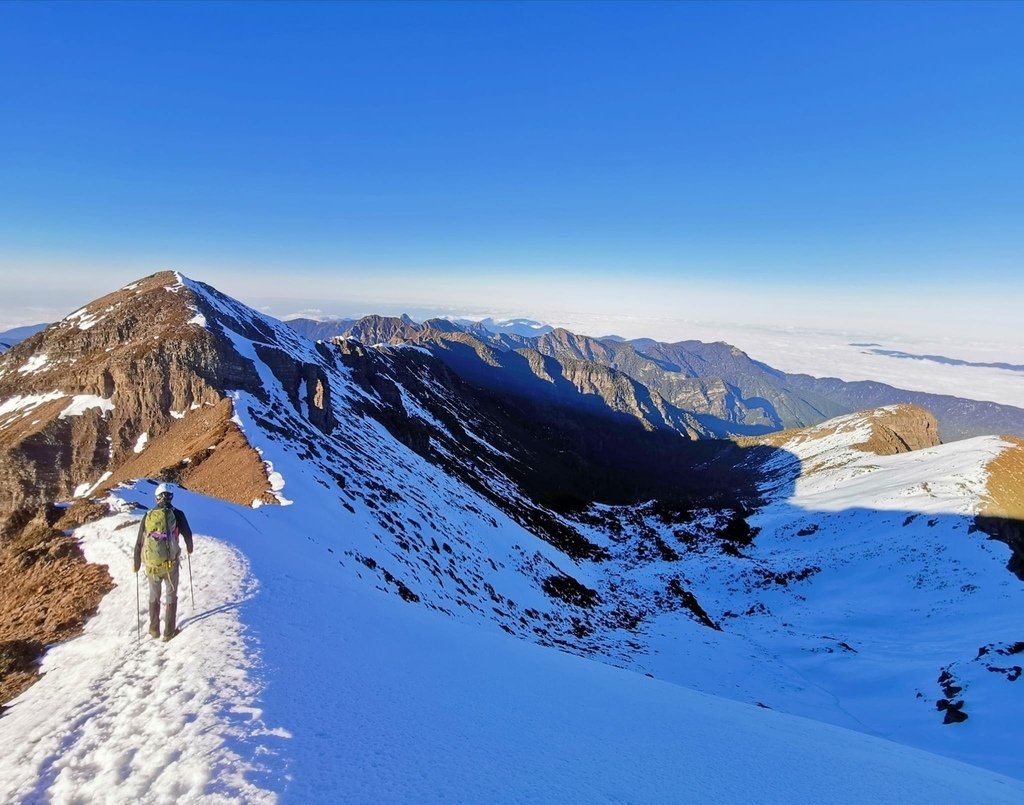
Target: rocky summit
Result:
[84, 396]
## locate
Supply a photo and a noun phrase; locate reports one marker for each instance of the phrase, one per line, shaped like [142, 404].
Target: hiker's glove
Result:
[135, 568]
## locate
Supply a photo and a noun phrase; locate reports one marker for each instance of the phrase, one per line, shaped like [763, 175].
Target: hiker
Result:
[157, 548]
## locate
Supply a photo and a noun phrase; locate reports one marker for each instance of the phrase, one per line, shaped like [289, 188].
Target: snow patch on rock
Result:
[81, 403]
[34, 364]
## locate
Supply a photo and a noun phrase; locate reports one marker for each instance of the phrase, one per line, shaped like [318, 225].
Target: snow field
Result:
[905, 584]
[81, 403]
[388, 702]
[376, 700]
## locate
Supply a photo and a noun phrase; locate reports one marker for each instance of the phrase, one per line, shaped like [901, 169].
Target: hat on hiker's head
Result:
[163, 490]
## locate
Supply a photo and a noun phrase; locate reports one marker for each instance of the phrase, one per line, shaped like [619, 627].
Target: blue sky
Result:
[819, 164]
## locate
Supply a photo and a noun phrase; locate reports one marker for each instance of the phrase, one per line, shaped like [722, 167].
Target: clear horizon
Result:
[844, 167]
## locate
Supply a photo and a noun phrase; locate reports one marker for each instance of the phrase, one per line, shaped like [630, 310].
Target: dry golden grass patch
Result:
[1006, 482]
[47, 591]
[204, 452]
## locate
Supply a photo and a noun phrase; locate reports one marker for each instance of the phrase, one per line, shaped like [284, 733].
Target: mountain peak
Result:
[375, 329]
[82, 398]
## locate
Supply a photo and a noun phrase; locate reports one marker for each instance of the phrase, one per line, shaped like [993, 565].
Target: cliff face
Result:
[900, 429]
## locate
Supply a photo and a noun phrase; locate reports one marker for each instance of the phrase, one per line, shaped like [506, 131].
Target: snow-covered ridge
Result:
[114, 719]
[838, 471]
[403, 614]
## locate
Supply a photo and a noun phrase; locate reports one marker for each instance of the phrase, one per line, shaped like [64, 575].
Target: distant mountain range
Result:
[895, 353]
[325, 329]
[9, 338]
[523, 327]
[699, 389]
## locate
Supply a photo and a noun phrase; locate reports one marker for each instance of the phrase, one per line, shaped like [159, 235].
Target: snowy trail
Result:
[120, 720]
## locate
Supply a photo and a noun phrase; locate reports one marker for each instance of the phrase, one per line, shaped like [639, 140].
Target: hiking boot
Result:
[154, 619]
[170, 620]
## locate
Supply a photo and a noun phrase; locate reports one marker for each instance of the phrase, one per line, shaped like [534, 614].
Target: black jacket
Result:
[183, 528]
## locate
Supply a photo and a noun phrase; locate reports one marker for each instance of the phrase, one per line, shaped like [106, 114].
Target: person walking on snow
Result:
[157, 548]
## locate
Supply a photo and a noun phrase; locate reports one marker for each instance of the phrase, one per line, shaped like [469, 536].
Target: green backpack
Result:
[160, 548]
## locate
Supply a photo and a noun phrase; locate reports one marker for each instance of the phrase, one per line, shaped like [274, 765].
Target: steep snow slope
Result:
[291, 682]
[383, 514]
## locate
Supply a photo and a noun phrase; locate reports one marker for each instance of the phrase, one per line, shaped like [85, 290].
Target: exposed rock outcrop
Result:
[882, 431]
[76, 398]
[900, 429]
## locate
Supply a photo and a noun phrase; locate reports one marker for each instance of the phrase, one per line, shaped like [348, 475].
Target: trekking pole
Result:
[138, 622]
[191, 589]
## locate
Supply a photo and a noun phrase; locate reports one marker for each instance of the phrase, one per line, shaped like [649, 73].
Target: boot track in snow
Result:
[114, 718]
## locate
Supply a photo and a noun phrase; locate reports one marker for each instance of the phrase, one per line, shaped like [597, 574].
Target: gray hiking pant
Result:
[168, 580]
